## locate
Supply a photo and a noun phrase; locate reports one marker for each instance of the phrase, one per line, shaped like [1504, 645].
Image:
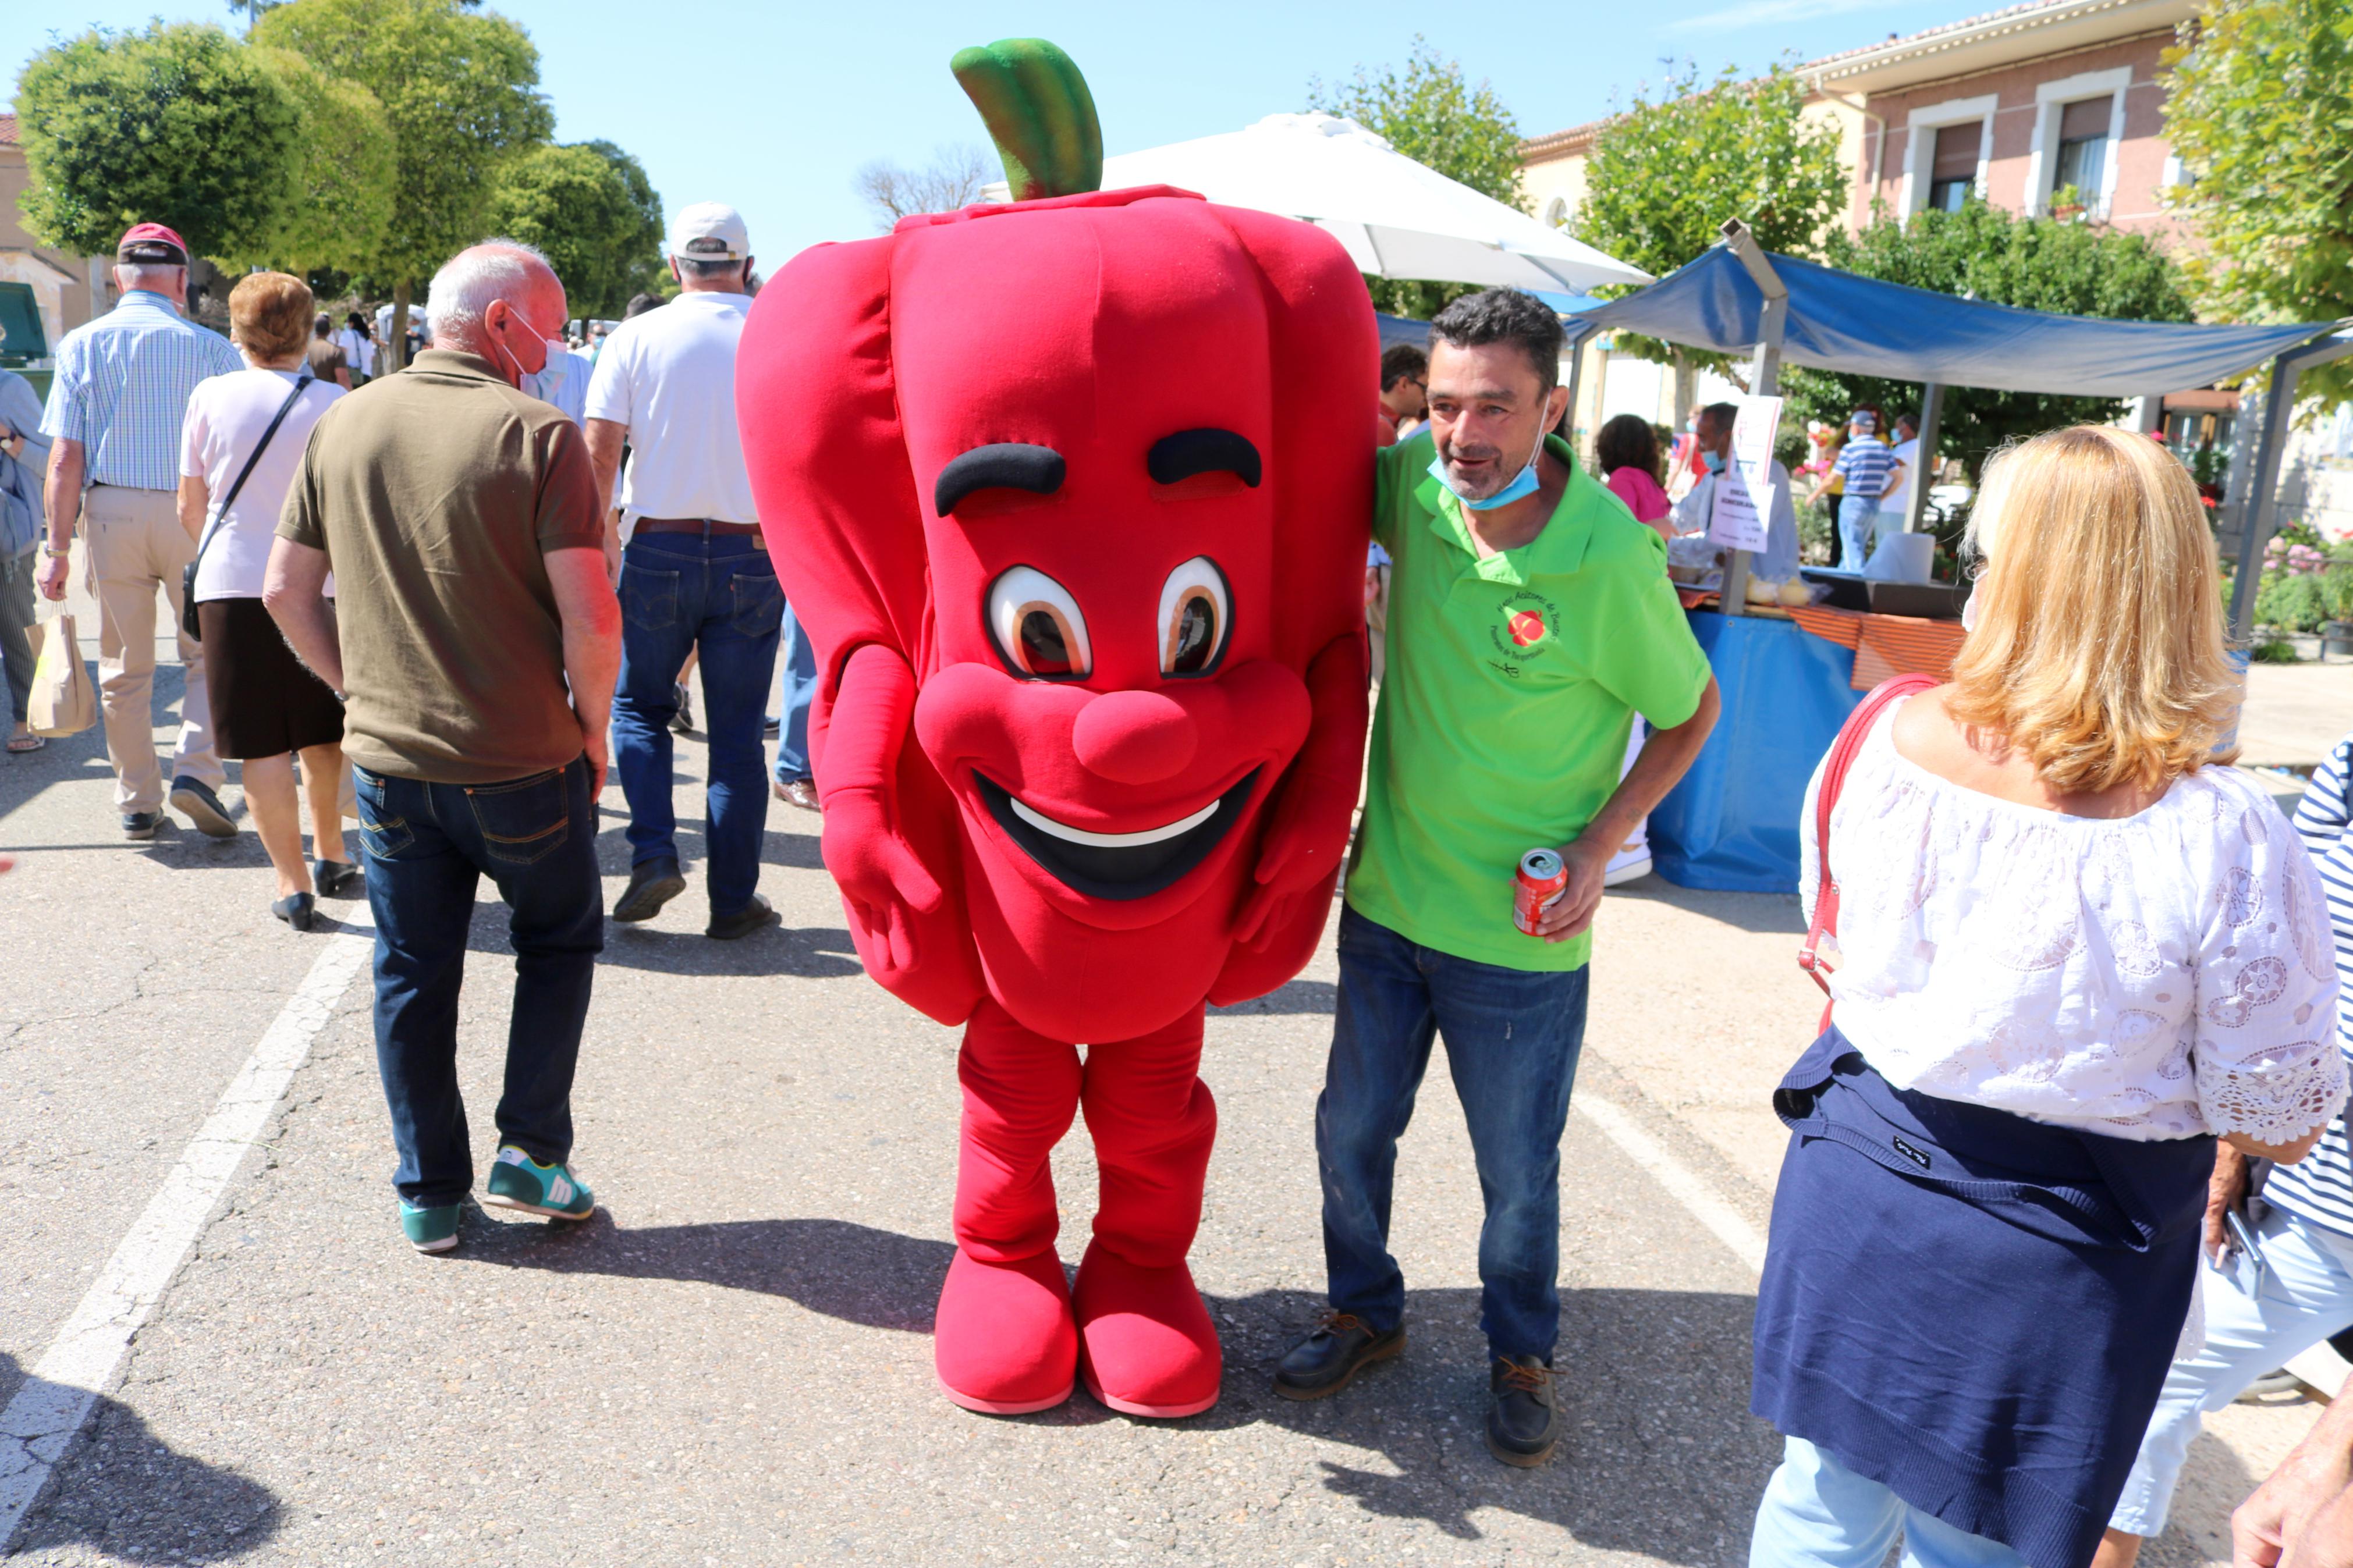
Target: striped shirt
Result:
[2320, 1185]
[1863, 464]
[121, 389]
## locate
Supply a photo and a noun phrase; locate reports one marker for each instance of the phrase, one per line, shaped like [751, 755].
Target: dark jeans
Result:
[428, 845]
[677, 592]
[1512, 1041]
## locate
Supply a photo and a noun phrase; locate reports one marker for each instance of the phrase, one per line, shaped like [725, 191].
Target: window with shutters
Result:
[2083, 161]
[1953, 174]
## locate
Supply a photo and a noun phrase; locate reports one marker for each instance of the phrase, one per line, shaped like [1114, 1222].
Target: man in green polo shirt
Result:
[1530, 620]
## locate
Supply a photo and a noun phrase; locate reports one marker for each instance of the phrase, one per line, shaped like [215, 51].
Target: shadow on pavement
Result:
[1767, 914]
[1300, 996]
[126, 1494]
[1660, 1455]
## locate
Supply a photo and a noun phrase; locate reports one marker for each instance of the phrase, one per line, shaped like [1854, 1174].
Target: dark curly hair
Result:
[1504, 316]
[1625, 442]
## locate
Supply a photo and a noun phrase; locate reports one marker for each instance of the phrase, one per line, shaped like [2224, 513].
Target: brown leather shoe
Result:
[800, 792]
[1523, 1422]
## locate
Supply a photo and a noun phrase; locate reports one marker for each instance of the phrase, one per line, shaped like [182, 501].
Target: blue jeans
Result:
[1512, 1042]
[2307, 1295]
[677, 592]
[797, 656]
[1817, 1513]
[1857, 523]
[428, 845]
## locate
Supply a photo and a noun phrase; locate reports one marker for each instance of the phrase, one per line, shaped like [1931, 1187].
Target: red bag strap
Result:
[1844, 750]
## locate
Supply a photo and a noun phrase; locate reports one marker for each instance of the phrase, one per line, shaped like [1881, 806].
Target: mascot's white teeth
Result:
[1062, 830]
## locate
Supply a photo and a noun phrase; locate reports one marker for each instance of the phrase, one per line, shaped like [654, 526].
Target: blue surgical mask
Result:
[1521, 487]
[1713, 461]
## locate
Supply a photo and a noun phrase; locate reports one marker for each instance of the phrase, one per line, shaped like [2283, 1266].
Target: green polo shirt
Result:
[1511, 691]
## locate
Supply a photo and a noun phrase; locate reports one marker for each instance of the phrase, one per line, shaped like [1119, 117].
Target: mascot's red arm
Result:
[815, 394]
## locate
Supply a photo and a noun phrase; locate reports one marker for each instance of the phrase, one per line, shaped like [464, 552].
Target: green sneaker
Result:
[430, 1230]
[518, 1181]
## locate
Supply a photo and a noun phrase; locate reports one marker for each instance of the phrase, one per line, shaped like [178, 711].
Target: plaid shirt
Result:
[121, 389]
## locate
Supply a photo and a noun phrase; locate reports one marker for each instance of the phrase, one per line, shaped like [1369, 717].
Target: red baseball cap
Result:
[151, 242]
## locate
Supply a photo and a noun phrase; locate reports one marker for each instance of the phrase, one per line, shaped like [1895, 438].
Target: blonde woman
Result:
[267, 707]
[2075, 953]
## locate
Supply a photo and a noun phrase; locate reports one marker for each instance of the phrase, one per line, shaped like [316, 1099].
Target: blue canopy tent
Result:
[1732, 823]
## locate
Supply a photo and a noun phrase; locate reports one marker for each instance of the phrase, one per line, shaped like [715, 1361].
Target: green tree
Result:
[2259, 109]
[1432, 116]
[576, 204]
[344, 179]
[177, 125]
[1984, 252]
[459, 91]
[1665, 174]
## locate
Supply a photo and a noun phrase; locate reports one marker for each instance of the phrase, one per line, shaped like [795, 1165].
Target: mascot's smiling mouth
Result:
[1117, 867]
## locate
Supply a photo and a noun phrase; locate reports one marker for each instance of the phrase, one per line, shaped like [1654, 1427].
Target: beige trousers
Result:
[135, 544]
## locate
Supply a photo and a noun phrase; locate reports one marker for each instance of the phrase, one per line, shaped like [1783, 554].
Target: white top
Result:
[359, 349]
[2159, 975]
[226, 414]
[670, 377]
[1908, 453]
[562, 381]
[1778, 561]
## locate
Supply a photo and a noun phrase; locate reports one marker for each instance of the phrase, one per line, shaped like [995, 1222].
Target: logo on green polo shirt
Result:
[1524, 626]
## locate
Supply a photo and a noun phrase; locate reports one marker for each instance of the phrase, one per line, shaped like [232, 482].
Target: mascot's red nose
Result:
[1133, 736]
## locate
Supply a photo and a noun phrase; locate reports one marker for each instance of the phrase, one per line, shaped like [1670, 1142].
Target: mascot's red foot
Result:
[1004, 1342]
[1149, 1347]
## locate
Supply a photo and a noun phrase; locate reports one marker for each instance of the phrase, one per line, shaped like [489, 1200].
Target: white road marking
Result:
[1728, 1224]
[61, 1387]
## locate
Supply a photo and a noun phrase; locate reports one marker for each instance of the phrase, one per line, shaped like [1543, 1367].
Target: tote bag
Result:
[63, 700]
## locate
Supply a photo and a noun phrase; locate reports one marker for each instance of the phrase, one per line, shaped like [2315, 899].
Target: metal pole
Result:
[1932, 413]
[2259, 505]
[1580, 334]
[1764, 372]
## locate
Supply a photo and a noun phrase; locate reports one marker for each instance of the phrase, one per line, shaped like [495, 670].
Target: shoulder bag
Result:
[220, 513]
[1844, 750]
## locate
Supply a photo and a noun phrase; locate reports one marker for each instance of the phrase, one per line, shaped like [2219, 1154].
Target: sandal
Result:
[27, 743]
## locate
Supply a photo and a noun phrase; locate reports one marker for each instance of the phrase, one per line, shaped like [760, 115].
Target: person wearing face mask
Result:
[1777, 562]
[1530, 621]
[475, 640]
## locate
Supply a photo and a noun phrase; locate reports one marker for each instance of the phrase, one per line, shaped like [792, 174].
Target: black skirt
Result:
[1975, 1309]
[264, 701]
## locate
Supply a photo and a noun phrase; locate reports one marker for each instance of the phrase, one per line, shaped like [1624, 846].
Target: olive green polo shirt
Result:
[1510, 694]
[435, 494]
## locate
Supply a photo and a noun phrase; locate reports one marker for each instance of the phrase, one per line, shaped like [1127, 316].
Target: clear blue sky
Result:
[774, 107]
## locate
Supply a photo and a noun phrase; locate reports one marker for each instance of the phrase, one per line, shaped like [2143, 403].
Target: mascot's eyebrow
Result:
[1190, 452]
[1006, 465]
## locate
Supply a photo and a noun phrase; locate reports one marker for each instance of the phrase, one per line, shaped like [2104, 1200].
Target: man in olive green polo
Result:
[1530, 621]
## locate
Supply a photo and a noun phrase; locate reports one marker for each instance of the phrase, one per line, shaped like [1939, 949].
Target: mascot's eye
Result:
[1037, 627]
[1196, 612]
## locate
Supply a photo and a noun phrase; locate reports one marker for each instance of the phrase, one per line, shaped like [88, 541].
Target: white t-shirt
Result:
[2152, 976]
[1908, 453]
[226, 414]
[668, 376]
[359, 349]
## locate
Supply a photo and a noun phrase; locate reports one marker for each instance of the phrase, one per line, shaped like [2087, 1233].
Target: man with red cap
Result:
[115, 409]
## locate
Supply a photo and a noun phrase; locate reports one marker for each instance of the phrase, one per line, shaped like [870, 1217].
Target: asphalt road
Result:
[731, 1364]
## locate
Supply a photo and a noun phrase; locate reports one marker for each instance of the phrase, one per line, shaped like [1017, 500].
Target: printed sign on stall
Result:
[1744, 491]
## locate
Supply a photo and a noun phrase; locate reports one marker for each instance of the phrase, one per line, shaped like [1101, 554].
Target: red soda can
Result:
[1543, 877]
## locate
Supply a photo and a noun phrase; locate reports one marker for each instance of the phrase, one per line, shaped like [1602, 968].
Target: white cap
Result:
[709, 231]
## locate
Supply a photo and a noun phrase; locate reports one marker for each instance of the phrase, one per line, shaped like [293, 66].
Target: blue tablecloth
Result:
[1731, 825]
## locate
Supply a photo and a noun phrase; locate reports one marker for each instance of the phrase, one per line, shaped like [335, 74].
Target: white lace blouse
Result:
[2152, 976]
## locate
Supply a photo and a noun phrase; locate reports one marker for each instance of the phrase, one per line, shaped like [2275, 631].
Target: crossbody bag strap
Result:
[1844, 750]
[220, 513]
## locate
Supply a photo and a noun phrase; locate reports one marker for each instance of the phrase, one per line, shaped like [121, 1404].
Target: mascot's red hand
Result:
[878, 872]
[1310, 823]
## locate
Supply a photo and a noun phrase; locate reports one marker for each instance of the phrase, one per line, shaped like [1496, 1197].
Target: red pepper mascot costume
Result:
[1071, 495]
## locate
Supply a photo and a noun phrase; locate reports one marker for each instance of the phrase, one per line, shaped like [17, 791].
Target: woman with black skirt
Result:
[2075, 952]
[267, 707]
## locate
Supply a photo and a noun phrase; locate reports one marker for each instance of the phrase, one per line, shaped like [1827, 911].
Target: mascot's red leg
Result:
[1148, 1347]
[1004, 1341]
